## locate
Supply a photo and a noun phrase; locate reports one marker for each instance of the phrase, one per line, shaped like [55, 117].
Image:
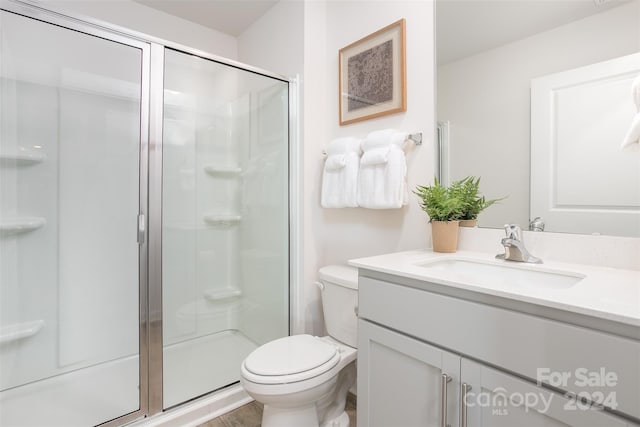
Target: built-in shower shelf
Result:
[20, 331]
[222, 294]
[222, 219]
[20, 224]
[215, 169]
[21, 156]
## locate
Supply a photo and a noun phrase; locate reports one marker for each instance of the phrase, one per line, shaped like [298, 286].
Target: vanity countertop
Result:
[605, 293]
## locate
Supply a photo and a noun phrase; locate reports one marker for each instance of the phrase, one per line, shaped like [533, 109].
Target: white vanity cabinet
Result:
[403, 381]
[411, 340]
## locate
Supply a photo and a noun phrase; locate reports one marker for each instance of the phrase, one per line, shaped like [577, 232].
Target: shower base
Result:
[98, 393]
[213, 362]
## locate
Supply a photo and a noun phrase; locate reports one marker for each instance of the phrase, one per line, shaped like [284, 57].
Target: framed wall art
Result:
[372, 75]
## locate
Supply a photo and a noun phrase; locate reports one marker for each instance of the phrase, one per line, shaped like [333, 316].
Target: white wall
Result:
[486, 97]
[296, 37]
[143, 19]
[308, 316]
[275, 42]
[337, 235]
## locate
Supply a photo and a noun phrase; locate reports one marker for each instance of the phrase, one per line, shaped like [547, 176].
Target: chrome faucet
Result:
[536, 224]
[514, 249]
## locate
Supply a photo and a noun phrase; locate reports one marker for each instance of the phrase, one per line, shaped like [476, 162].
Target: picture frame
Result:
[372, 75]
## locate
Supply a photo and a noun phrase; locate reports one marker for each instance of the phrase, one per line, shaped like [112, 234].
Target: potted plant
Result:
[445, 208]
[468, 190]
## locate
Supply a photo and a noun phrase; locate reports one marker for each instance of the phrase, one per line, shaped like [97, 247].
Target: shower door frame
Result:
[30, 10]
[150, 186]
[294, 180]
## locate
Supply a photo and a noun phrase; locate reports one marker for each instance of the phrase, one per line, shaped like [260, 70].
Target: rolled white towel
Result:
[335, 162]
[377, 138]
[340, 174]
[382, 181]
[383, 138]
[377, 156]
[344, 145]
[399, 138]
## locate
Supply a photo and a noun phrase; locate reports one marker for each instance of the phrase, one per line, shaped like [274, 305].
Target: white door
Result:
[497, 399]
[400, 380]
[582, 181]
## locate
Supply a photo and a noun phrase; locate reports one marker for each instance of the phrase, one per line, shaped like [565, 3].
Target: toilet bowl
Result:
[303, 380]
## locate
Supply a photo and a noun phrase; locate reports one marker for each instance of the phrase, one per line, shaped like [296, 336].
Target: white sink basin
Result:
[502, 273]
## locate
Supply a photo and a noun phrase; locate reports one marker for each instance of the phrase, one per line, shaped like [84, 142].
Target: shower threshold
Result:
[102, 392]
[197, 366]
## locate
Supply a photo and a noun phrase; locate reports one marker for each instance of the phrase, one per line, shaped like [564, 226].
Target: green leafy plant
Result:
[468, 191]
[440, 203]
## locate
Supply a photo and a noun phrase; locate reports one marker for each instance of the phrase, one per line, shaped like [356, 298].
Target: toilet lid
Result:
[290, 355]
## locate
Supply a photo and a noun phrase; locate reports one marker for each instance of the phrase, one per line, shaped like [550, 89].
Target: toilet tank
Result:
[339, 290]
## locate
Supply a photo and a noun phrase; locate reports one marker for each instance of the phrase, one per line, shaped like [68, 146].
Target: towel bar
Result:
[416, 138]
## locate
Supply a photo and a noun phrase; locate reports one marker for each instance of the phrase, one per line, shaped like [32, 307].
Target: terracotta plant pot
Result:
[469, 223]
[444, 235]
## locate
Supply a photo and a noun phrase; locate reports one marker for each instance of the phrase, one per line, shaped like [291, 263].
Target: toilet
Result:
[303, 380]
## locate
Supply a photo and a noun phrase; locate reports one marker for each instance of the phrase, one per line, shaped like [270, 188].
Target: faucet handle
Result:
[536, 224]
[513, 231]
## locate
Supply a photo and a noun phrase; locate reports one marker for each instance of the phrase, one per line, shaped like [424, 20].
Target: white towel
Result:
[335, 162]
[632, 138]
[340, 174]
[383, 170]
[383, 138]
[344, 145]
[377, 156]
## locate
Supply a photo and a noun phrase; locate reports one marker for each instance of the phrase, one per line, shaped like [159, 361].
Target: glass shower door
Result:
[225, 235]
[70, 108]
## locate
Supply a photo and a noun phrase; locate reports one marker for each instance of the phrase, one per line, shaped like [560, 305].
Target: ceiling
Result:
[466, 27]
[228, 16]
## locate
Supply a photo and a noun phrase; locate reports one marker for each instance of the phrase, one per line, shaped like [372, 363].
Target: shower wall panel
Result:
[225, 221]
[97, 205]
[73, 181]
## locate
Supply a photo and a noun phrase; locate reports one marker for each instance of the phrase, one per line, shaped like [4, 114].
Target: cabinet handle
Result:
[463, 403]
[444, 381]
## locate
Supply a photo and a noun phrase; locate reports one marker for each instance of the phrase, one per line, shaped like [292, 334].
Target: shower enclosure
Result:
[144, 220]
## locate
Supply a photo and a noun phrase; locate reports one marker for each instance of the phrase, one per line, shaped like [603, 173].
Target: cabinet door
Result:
[497, 399]
[401, 383]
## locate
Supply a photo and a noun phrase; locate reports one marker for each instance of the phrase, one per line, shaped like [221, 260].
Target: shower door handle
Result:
[141, 228]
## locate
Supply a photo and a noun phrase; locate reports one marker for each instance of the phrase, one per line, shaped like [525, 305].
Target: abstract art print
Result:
[372, 75]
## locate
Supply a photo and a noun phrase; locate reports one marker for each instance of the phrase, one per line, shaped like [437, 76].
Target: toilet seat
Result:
[290, 359]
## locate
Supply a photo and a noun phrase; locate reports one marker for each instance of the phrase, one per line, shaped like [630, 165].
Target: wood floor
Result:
[250, 415]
